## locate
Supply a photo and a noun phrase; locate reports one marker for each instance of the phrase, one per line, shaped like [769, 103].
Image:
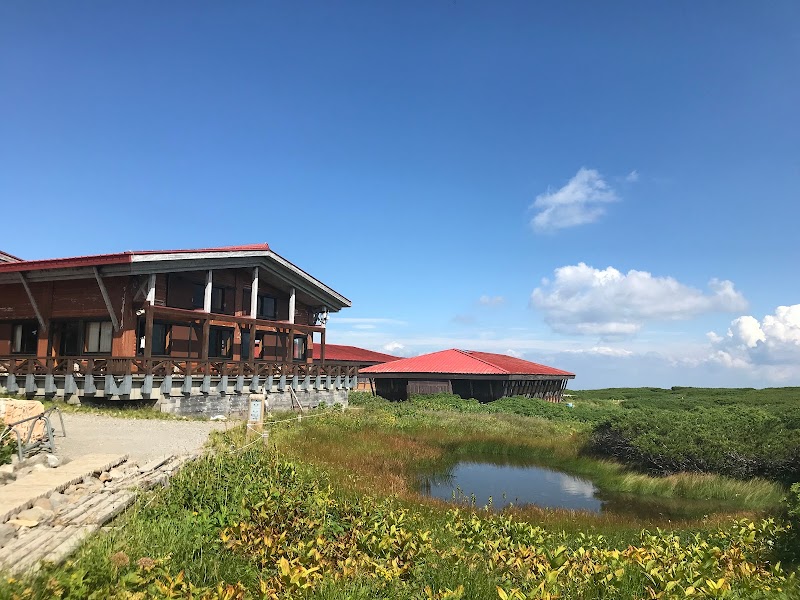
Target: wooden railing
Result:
[103, 365]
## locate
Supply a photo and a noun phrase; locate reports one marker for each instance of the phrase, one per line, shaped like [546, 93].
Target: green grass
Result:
[355, 472]
[216, 527]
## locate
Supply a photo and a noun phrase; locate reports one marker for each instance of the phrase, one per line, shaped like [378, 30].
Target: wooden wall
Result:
[82, 299]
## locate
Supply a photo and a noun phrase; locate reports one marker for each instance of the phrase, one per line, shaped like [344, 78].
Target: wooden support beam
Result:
[207, 294]
[151, 289]
[322, 348]
[254, 295]
[290, 346]
[148, 331]
[106, 299]
[204, 340]
[35, 306]
[253, 332]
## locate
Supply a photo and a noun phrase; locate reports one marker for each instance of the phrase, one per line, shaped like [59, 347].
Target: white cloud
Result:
[582, 200]
[514, 353]
[365, 322]
[602, 351]
[772, 343]
[491, 300]
[632, 177]
[589, 301]
[393, 347]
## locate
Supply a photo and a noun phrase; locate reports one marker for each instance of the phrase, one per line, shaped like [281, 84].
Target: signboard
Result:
[256, 411]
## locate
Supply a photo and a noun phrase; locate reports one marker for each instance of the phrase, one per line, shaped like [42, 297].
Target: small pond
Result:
[475, 481]
[510, 484]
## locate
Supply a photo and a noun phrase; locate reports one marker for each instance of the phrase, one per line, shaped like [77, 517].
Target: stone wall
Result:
[236, 405]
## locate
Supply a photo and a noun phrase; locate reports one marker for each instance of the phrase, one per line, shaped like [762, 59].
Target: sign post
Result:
[255, 418]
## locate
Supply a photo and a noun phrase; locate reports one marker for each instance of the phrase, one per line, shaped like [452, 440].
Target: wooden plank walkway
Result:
[21, 494]
[56, 539]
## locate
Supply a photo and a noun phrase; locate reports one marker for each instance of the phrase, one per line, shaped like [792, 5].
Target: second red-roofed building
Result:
[360, 358]
[484, 376]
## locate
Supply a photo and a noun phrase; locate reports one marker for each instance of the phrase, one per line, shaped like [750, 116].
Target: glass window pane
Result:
[92, 337]
[17, 339]
[106, 336]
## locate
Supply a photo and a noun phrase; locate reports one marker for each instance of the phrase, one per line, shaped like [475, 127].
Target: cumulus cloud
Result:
[772, 342]
[607, 302]
[514, 353]
[582, 200]
[393, 347]
[491, 300]
[632, 177]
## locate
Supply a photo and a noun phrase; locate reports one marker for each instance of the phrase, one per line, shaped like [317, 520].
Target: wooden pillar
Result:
[151, 289]
[207, 295]
[148, 331]
[204, 341]
[254, 294]
[253, 332]
[290, 346]
[322, 349]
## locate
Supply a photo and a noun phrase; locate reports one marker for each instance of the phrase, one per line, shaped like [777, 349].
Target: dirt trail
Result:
[142, 439]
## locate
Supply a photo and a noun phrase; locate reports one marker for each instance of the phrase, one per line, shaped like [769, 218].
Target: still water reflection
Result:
[507, 484]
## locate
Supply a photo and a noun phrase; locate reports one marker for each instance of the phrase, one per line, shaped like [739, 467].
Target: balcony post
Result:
[204, 340]
[253, 332]
[207, 295]
[148, 331]
[254, 294]
[151, 289]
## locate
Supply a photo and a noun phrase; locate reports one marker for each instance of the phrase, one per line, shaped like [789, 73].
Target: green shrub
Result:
[722, 434]
[7, 446]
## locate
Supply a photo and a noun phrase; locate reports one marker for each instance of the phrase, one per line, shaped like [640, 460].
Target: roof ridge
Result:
[486, 362]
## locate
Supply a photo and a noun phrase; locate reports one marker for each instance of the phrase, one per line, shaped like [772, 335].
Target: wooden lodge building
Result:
[481, 375]
[194, 330]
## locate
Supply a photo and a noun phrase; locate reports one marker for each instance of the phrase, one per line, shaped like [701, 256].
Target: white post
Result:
[291, 306]
[254, 295]
[151, 290]
[207, 296]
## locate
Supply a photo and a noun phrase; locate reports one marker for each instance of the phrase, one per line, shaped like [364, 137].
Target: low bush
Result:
[735, 439]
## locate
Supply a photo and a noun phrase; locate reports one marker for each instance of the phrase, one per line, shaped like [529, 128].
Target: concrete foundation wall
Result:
[236, 405]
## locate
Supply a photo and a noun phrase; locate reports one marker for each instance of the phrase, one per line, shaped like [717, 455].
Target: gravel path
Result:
[142, 439]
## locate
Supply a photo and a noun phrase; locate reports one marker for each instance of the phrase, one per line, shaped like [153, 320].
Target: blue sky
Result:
[436, 162]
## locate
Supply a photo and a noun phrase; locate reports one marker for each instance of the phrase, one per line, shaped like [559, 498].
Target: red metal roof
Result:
[465, 362]
[96, 260]
[355, 354]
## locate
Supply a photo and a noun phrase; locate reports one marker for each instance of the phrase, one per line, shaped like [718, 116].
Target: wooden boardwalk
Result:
[73, 522]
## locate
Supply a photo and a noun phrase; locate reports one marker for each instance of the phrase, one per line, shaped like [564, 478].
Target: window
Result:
[162, 338]
[67, 337]
[217, 297]
[266, 307]
[97, 337]
[299, 347]
[24, 338]
[244, 351]
[220, 342]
